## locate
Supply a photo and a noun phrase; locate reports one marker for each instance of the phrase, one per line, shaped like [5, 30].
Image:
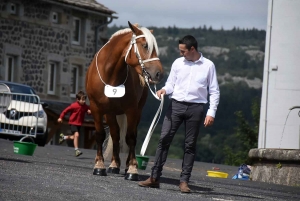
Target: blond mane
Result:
[152, 44]
[120, 32]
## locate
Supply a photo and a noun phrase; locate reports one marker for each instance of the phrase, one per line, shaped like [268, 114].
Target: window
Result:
[76, 31]
[12, 8]
[52, 77]
[54, 18]
[74, 80]
[10, 67]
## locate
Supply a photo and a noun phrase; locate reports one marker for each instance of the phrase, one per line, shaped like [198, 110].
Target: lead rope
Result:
[154, 121]
[98, 68]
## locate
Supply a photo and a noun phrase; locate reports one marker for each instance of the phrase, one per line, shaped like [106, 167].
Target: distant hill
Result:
[238, 53]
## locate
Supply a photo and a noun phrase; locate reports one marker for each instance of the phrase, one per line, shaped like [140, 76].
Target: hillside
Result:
[238, 54]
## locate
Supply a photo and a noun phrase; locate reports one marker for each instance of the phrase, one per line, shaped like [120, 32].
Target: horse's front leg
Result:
[114, 130]
[131, 163]
[99, 168]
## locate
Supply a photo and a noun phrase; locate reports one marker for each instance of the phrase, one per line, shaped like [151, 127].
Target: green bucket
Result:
[142, 161]
[24, 148]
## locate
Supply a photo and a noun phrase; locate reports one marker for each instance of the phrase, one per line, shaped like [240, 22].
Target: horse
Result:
[115, 85]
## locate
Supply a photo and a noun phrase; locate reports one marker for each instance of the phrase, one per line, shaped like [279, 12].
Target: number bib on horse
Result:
[114, 92]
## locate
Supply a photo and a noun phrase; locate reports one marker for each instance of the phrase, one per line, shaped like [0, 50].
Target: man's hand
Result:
[208, 121]
[161, 92]
[89, 111]
[59, 120]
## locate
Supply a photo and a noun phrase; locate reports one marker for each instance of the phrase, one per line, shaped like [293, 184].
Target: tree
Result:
[246, 137]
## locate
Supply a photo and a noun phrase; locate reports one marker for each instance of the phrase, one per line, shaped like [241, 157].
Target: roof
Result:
[87, 4]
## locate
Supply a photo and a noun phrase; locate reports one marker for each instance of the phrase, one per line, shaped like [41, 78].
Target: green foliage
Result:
[246, 138]
[236, 62]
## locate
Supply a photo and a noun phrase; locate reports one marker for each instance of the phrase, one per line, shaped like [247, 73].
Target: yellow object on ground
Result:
[217, 174]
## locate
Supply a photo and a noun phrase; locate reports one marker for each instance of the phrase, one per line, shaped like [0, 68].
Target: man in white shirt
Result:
[191, 79]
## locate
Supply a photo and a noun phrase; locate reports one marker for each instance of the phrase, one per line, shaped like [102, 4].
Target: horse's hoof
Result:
[132, 177]
[113, 170]
[100, 172]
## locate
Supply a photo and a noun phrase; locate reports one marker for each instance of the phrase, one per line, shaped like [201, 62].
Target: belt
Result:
[186, 103]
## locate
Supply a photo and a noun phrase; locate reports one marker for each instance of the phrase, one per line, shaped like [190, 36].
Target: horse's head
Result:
[142, 54]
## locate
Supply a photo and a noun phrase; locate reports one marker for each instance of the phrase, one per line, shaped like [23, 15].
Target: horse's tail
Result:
[108, 148]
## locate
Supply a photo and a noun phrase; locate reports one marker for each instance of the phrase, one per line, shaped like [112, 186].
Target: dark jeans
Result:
[178, 112]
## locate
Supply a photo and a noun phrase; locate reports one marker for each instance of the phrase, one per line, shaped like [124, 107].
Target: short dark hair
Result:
[189, 41]
[80, 95]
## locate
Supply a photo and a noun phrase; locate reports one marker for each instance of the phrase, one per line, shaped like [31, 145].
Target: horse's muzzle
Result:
[159, 76]
[154, 78]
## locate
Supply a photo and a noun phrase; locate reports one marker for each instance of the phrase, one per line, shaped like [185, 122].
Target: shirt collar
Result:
[201, 59]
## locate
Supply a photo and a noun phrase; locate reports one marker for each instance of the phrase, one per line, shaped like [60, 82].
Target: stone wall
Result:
[278, 166]
[36, 40]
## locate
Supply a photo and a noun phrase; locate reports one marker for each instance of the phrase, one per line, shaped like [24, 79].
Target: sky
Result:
[218, 14]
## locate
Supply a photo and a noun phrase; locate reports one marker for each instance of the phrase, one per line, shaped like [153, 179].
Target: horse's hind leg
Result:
[99, 168]
[115, 135]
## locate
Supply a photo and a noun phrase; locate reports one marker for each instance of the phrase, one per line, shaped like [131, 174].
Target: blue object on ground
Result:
[244, 177]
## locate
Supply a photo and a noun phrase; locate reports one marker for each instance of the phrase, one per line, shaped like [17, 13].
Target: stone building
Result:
[49, 44]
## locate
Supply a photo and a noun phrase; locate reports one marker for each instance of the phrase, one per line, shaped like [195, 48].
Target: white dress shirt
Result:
[191, 82]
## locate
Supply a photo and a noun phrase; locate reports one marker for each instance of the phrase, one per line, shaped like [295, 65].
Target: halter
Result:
[137, 53]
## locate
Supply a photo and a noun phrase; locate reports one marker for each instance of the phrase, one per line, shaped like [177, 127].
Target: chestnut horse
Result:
[114, 87]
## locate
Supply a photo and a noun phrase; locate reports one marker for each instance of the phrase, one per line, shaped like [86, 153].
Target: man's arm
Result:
[160, 93]
[214, 97]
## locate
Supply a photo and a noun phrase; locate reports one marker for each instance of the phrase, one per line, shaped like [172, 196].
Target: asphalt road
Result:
[53, 173]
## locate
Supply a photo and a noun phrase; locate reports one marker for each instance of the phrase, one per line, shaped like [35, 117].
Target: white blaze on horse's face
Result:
[146, 62]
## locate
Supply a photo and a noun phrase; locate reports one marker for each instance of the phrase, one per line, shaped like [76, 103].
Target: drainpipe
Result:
[97, 28]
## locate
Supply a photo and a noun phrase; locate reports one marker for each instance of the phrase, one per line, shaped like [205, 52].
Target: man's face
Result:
[187, 54]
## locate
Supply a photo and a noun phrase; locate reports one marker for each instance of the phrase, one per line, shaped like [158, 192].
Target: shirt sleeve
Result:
[65, 111]
[87, 108]
[214, 92]
[169, 86]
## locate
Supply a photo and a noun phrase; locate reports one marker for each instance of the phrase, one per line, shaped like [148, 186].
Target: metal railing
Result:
[19, 114]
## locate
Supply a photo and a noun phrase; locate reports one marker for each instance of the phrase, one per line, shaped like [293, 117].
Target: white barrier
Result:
[18, 113]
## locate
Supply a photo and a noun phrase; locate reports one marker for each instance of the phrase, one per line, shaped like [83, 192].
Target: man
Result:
[191, 79]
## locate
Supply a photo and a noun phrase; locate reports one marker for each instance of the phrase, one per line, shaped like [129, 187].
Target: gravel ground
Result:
[54, 173]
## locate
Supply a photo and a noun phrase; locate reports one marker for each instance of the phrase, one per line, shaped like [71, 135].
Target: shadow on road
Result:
[14, 160]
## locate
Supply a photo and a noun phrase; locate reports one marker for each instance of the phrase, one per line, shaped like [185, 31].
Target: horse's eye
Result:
[145, 46]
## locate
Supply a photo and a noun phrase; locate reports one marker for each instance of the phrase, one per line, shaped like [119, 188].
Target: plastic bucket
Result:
[142, 161]
[24, 148]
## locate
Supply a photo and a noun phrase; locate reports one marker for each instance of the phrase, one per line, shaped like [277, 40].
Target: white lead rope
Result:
[154, 122]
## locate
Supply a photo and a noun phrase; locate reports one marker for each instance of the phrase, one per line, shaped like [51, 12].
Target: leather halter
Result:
[137, 53]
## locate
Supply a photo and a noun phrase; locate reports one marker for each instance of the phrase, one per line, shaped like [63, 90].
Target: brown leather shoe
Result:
[150, 182]
[183, 186]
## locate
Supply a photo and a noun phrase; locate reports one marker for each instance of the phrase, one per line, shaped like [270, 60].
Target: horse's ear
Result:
[133, 28]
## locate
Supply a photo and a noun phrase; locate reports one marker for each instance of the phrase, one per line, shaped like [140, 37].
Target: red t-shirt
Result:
[77, 113]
